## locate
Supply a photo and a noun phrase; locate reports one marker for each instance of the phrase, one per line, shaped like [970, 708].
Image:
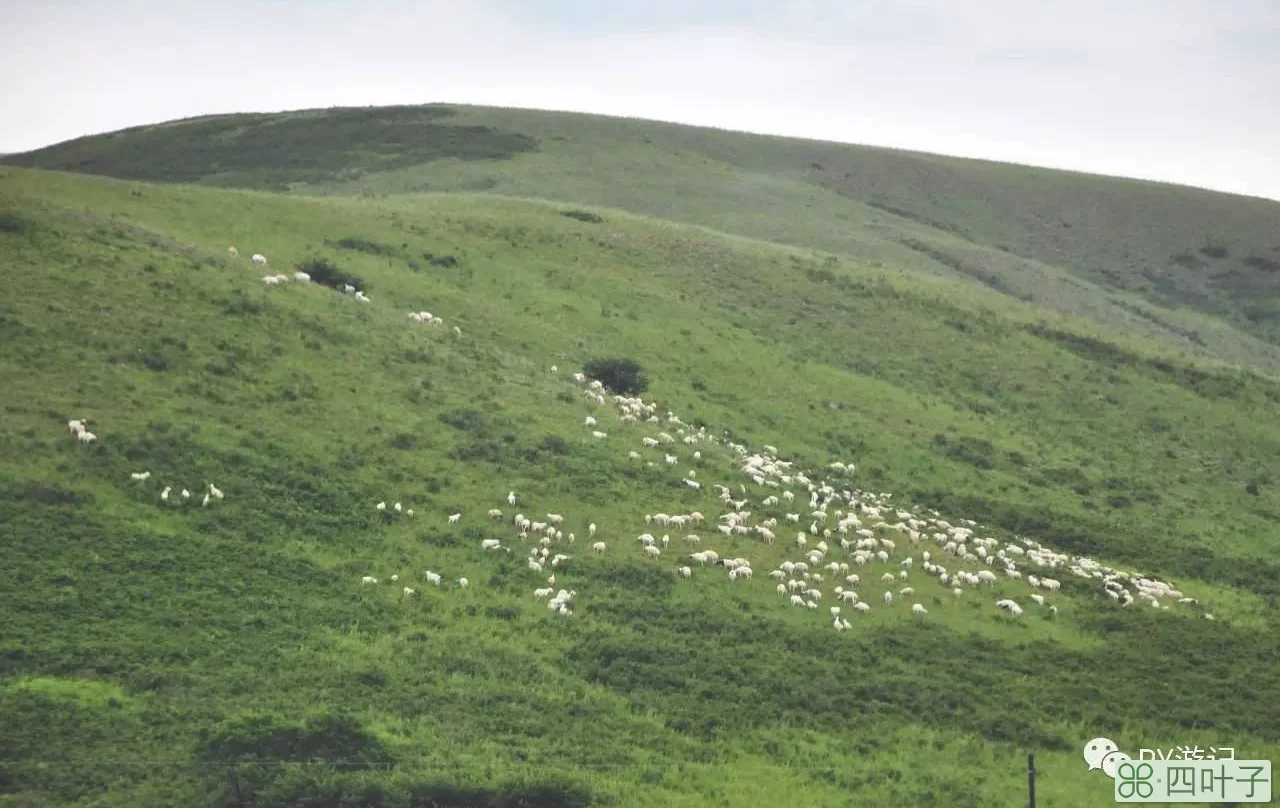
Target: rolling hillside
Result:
[1194, 269]
[159, 653]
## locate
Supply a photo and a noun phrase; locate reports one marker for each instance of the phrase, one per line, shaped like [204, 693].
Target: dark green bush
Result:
[621, 375]
[324, 272]
[583, 216]
[365, 246]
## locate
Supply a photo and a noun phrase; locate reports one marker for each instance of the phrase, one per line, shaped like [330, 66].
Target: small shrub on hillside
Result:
[325, 272]
[365, 246]
[583, 216]
[554, 444]
[13, 223]
[466, 420]
[1264, 264]
[1214, 250]
[621, 375]
[404, 440]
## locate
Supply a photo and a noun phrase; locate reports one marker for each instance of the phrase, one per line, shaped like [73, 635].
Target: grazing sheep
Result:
[259, 260]
[233, 252]
[463, 583]
[368, 579]
[87, 437]
[453, 518]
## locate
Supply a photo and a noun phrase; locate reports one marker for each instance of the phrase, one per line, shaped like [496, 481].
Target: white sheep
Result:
[432, 578]
[87, 437]
[916, 608]
[302, 276]
[259, 260]
[214, 491]
[463, 583]
[408, 591]
[233, 252]
[368, 579]
[490, 544]
[454, 518]
[139, 475]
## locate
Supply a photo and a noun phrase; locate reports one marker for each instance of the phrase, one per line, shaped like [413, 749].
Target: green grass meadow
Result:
[161, 653]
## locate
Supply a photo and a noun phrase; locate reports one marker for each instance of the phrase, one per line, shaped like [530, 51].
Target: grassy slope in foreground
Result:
[184, 637]
[1192, 268]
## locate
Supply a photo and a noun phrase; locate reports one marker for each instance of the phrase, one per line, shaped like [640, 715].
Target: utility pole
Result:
[1031, 780]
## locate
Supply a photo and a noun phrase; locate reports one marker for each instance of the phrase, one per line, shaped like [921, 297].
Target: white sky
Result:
[1184, 91]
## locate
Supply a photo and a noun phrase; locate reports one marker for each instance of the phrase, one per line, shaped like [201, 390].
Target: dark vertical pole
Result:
[1031, 779]
[234, 778]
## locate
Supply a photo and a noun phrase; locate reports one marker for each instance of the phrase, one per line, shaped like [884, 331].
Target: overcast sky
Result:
[1183, 91]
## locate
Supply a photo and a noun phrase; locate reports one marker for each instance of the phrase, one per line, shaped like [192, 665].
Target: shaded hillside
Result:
[158, 653]
[1197, 270]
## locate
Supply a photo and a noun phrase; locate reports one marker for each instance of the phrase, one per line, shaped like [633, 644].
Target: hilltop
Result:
[1194, 269]
[162, 653]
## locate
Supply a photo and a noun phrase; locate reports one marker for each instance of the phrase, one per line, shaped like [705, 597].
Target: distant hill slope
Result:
[160, 652]
[1197, 269]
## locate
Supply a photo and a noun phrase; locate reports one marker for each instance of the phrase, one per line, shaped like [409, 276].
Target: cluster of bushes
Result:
[621, 375]
[324, 272]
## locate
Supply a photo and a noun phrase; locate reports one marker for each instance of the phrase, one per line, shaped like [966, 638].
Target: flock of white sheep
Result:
[424, 317]
[849, 528]
[862, 525]
[77, 428]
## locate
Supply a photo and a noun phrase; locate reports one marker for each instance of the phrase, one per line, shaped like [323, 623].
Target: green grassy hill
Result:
[162, 653]
[1194, 269]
